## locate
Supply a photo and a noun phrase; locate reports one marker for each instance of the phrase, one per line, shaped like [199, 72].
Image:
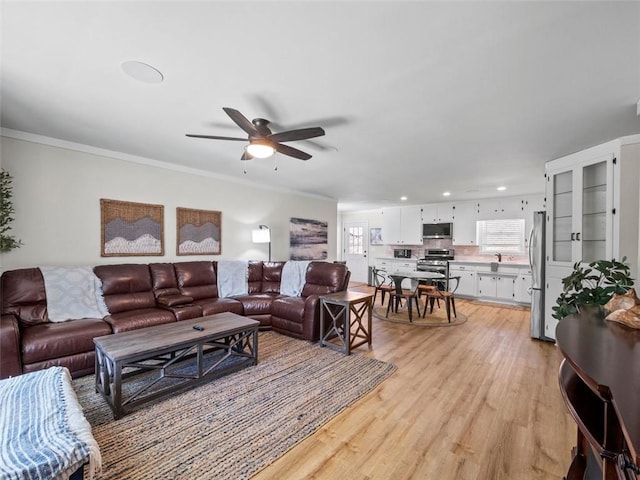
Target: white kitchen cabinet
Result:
[402, 225]
[393, 265]
[528, 206]
[592, 212]
[437, 213]
[496, 286]
[522, 288]
[467, 284]
[464, 223]
[495, 208]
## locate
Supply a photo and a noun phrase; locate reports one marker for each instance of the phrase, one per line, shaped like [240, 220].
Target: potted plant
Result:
[7, 242]
[592, 285]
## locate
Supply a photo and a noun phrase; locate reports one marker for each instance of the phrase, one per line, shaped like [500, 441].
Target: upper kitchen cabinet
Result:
[402, 225]
[494, 208]
[592, 199]
[464, 223]
[438, 213]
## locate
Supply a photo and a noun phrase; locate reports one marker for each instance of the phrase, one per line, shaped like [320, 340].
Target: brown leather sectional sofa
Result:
[140, 295]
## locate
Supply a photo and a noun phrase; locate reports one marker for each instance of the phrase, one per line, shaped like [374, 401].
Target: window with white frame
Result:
[501, 236]
[356, 241]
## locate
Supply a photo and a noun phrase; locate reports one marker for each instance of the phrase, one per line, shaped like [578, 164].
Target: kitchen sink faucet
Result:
[499, 255]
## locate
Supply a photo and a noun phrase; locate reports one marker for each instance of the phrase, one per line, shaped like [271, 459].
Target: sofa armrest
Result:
[10, 361]
[311, 321]
[173, 300]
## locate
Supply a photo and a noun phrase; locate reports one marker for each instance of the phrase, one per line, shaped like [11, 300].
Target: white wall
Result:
[57, 192]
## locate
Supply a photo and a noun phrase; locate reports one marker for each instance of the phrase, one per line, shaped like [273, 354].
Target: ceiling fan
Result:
[262, 142]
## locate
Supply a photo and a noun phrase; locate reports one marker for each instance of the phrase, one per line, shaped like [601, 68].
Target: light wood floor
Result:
[474, 401]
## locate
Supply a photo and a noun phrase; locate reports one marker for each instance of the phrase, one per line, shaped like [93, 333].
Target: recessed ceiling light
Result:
[142, 72]
[403, 198]
[501, 189]
[446, 194]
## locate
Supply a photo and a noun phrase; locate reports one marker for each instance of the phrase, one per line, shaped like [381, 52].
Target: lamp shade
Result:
[262, 235]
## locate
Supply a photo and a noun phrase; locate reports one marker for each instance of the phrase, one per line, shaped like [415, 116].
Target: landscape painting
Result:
[308, 239]
[199, 232]
[131, 229]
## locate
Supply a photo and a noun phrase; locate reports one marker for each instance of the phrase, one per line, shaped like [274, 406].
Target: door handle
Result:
[578, 236]
[573, 236]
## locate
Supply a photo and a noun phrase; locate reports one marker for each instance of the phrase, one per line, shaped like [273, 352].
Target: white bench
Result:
[43, 432]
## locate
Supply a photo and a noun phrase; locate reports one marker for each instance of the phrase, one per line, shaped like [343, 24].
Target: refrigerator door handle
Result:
[531, 248]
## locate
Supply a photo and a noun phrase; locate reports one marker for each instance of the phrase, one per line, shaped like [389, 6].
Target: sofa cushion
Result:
[254, 277]
[211, 306]
[52, 340]
[140, 318]
[23, 295]
[271, 276]
[257, 303]
[323, 278]
[163, 278]
[126, 287]
[196, 279]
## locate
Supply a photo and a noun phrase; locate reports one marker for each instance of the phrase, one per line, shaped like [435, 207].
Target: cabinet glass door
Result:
[562, 216]
[594, 212]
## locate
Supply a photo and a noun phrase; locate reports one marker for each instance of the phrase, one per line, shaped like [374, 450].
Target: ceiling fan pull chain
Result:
[275, 163]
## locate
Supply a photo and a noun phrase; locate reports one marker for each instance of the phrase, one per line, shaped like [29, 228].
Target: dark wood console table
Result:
[600, 382]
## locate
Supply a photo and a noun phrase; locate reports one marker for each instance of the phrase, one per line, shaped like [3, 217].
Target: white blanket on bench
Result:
[232, 278]
[294, 274]
[73, 292]
[43, 432]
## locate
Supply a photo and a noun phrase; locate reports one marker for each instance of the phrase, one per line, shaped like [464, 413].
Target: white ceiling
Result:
[416, 97]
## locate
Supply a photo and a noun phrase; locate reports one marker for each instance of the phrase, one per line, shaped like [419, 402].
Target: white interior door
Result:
[356, 244]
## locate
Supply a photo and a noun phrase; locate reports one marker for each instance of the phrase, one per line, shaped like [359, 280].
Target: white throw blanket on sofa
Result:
[294, 273]
[232, 278]
[73, 292]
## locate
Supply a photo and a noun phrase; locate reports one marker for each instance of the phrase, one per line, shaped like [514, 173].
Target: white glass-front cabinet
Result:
[592, 212]
[580, 214]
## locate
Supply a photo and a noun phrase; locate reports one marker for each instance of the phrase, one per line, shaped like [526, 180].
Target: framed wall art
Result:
[308, 239]
[375, 236]
[199, 232]
[131, 229]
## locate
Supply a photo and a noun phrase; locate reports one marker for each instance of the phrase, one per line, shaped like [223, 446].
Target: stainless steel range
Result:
[436, 260]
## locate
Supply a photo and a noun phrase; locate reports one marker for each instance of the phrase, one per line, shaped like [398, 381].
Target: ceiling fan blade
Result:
[241, 121]
[292, 152]
[300, 134]
[215, 137]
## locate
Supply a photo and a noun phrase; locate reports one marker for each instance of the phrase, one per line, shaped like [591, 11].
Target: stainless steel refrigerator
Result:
[537, 262]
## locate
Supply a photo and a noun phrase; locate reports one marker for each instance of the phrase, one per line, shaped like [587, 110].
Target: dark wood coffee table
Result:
[181, 357]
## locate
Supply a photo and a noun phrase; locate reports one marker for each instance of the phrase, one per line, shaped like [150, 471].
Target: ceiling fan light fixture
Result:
[260, 149]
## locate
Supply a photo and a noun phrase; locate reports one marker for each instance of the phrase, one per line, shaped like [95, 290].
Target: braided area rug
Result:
[234, 426]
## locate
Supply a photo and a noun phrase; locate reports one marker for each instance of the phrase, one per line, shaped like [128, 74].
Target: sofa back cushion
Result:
[23, 295]
[163, 278]
[325, 277]
[126, 287]
[197, 279]
[254, 278]
[271, 276]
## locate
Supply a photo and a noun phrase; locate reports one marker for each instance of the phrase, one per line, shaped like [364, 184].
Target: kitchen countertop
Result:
[487, 262]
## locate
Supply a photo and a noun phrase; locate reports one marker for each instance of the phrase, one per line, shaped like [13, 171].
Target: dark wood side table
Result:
[600, 382]
[343, 325]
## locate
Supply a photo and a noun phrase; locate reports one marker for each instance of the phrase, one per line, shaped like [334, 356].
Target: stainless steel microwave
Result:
[437, 230]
